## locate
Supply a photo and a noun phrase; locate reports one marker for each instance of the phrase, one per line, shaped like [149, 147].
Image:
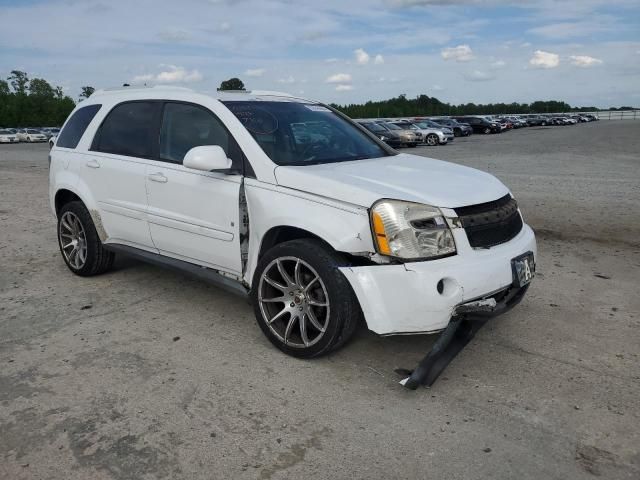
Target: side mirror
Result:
[207, 158]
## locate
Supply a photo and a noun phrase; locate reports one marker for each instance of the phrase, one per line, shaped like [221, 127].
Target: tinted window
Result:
[130, 129]
[75, 127]
[186, 126]
[374, 127]
[293, 133]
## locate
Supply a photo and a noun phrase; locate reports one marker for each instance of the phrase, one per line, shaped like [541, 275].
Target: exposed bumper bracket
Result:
[467, 319]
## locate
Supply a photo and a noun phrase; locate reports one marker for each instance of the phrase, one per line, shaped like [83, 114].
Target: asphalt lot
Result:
[146, 373]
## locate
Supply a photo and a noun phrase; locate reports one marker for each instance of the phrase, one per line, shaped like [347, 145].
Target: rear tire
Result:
[302, 302]
[79, 243]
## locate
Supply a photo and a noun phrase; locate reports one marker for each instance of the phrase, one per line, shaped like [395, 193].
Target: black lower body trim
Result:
[461, 329]
[204, 273]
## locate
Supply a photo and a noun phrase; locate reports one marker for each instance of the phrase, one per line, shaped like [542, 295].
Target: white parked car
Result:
[7, 136]
[31, 135]
[291, 203]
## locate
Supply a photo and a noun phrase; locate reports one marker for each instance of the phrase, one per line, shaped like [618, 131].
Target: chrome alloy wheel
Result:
[294, 302]
[73, 241]
[432, 140]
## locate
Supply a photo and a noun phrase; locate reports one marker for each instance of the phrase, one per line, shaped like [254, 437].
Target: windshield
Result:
[33, 131]
[391, 126]
[5, 132]
[293, 133]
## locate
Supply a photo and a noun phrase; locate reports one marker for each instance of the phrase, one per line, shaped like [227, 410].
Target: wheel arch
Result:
[284, 233]
[66, 194]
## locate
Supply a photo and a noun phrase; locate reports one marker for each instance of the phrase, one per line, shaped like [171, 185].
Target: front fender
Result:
[344, 227]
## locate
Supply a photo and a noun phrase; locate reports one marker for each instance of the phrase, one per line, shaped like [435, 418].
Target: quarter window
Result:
[76, 126]
[130, 129]
[186, 126]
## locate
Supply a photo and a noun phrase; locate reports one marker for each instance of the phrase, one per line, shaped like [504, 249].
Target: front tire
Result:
[487, 130]
[79, 243]
[302, 302]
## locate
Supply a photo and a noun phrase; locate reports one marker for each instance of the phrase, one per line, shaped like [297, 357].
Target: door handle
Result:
[93, 164]
[158, 177]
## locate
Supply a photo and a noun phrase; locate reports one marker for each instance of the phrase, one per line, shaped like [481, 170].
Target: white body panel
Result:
[193, 215]
[117, 184]
[404, 177]
[343, 226]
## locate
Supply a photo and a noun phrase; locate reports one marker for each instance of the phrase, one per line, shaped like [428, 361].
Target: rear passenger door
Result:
[193, 215]
[116, 166]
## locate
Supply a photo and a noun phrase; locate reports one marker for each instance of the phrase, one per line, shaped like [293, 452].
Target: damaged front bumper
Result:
[468, 318]
[421, 297]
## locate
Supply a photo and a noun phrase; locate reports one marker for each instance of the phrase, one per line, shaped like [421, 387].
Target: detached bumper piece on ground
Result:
[467, 319]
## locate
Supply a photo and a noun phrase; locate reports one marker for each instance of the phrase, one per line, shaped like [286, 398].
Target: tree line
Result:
[34, 102]
[423, 105]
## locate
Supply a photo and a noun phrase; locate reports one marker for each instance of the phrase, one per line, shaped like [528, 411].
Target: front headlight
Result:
[410, 230]
[383, 138]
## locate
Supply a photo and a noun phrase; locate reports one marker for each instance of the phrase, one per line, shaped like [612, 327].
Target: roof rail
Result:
[128, 88]
[270, 93]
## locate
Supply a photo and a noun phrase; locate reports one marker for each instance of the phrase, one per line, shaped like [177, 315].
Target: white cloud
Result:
[362, 57]
[479, 76]
[343, 88]
[542, 59]
[171, 74]
[331, 60]
[378, 60]
[461, 53]
[255, 72]
[224, 27]
[498, 64]
[339, 78]
[288, 80]
[437, 88]
[584, 61]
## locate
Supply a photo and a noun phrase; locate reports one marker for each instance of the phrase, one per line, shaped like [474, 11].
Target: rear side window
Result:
[185, 126]
[75, 127]
[130, 129]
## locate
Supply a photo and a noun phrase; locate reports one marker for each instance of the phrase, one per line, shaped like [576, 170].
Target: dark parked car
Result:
[459, 129]
[481, 124]
[390, 137]
[537, 120]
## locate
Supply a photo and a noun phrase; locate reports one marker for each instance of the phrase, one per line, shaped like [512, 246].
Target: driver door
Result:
[193, 215]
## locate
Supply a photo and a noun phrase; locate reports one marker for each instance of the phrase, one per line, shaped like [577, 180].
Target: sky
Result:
[585, 52]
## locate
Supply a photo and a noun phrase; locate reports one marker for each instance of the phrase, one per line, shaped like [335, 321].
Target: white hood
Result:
[401, 177]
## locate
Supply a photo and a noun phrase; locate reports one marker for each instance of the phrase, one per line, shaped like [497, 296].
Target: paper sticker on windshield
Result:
[317, 108]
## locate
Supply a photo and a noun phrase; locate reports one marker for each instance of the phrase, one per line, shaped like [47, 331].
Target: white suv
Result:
[291, 203]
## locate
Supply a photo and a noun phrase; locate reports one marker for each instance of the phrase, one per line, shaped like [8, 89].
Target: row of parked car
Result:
[411, 132]
[16, 135]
